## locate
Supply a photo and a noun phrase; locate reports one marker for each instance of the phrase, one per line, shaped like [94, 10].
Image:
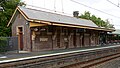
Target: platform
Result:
[31, 55]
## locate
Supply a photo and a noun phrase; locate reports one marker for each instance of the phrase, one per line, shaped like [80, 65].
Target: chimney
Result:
[75, 14]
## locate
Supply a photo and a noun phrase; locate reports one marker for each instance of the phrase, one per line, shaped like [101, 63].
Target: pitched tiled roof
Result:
[57, 18]
[49, 18]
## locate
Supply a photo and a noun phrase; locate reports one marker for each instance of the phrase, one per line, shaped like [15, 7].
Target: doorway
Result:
[20, 29]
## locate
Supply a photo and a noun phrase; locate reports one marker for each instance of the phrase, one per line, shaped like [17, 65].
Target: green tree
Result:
[97, 20]
[9, 6]
[108, 24]
[86, 15]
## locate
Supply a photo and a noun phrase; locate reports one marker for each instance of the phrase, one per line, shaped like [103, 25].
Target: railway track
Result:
[94, 63]
[74, 59]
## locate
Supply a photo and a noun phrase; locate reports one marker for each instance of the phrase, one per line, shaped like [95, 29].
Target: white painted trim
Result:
[17, 30]
[54, 54]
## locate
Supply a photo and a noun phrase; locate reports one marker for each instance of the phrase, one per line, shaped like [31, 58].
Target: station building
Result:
[113, 37]
[40, 30]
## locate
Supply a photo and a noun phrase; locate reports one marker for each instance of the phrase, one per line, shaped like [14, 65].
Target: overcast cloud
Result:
[69, 7]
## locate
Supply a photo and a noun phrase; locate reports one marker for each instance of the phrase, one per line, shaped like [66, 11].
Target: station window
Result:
[19, 29]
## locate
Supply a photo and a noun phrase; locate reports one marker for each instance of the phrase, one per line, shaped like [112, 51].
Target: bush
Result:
[3, 44]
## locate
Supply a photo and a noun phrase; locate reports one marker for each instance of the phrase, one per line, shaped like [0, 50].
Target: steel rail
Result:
[55, 54]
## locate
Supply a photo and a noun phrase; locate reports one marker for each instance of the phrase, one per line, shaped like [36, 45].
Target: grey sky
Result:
[69, 7]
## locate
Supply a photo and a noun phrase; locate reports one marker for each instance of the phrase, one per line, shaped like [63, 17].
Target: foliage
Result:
[97, 20]
[9, 6]
[3, 44]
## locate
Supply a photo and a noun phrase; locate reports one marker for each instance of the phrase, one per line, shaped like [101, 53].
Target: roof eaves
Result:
[71, 25]
[106, 29]
[18, 9]
[81, 26]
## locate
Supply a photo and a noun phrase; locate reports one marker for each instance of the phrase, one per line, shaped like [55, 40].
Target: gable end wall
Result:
[20, 21]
